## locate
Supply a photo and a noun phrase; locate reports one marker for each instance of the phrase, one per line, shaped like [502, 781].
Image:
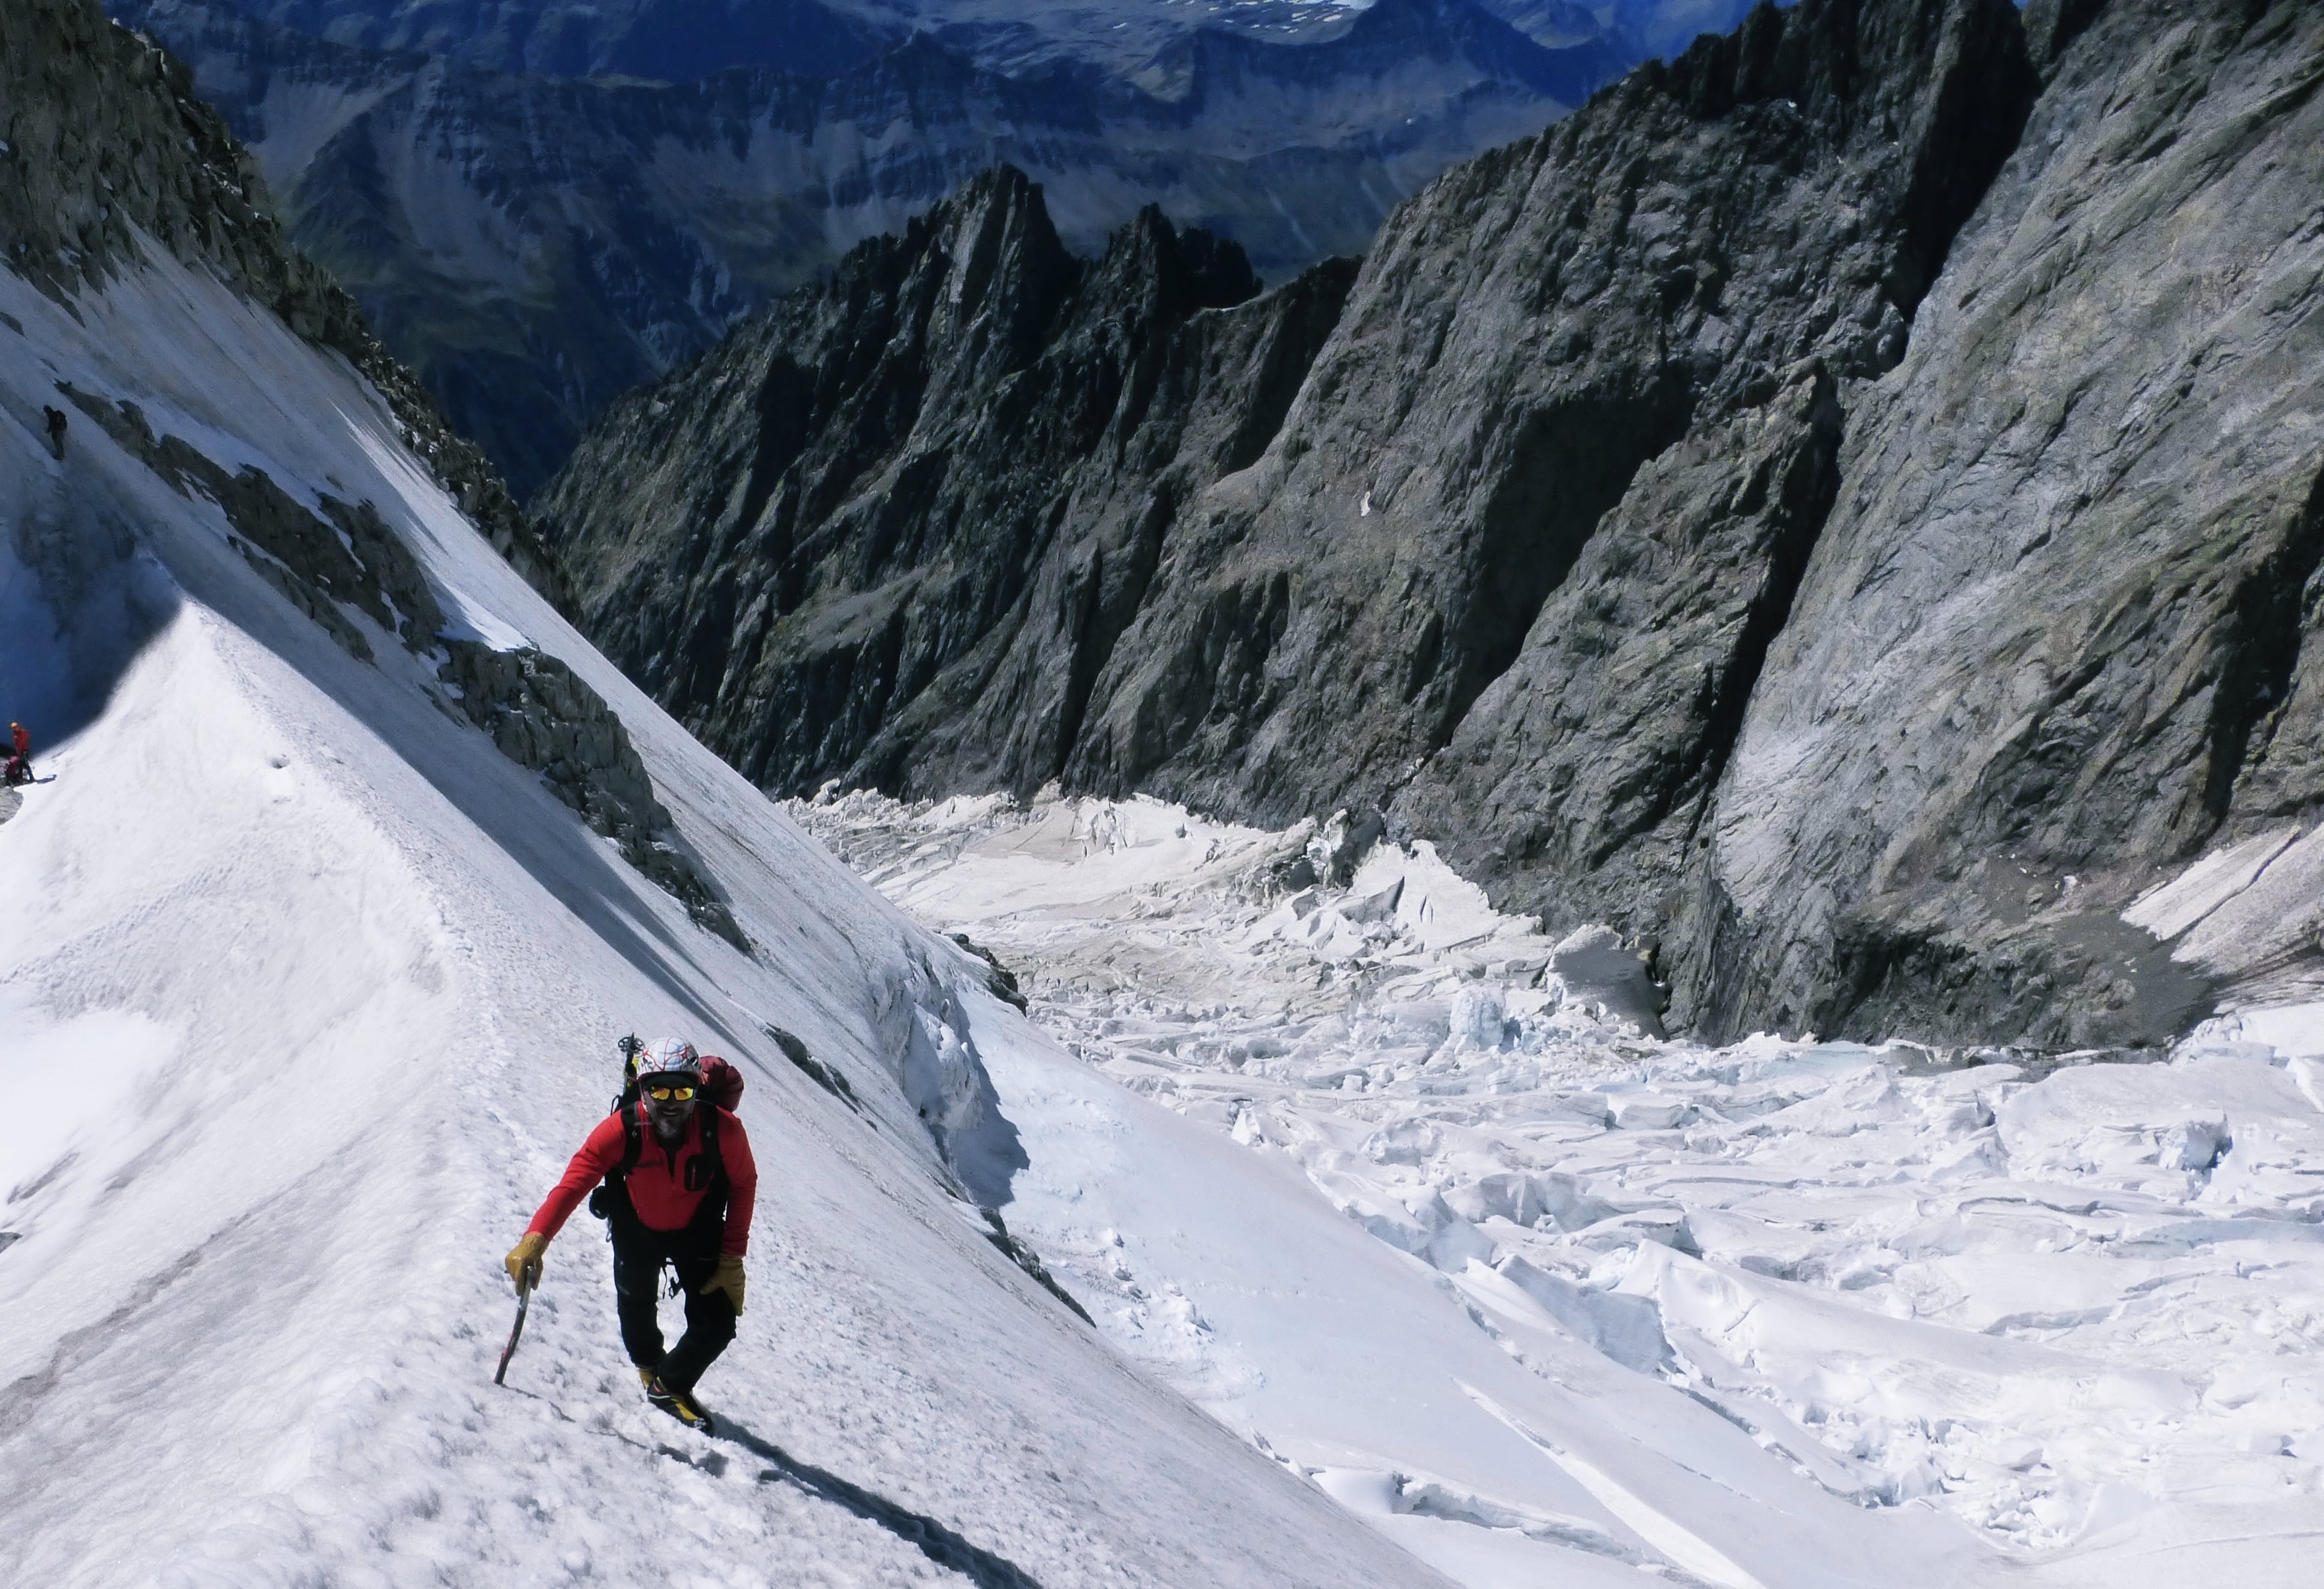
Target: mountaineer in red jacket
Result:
[679, 1186]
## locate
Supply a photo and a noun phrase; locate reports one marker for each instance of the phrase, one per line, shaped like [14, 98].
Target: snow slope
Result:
[310, 992]
[1783, 1313]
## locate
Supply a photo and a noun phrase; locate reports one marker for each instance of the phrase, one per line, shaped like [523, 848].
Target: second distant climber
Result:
[679, 1188]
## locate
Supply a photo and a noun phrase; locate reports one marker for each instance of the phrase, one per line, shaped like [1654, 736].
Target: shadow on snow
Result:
[938, 1543]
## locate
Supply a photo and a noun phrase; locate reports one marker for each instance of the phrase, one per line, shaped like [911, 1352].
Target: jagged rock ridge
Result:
[1868, 457]
[926, 498]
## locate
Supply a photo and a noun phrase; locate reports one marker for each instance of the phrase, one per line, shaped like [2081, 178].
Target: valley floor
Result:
[1757, 1315]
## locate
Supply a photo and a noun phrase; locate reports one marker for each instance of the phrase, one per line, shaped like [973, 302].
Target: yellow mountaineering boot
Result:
[680, 1405]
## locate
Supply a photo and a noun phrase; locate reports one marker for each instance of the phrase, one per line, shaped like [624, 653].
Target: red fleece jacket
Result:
[658, 1185]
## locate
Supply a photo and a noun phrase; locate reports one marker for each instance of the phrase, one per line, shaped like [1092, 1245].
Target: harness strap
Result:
[708, 1113]
[634, 1142]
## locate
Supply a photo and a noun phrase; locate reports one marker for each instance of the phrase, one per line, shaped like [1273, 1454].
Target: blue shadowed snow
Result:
[38, 677]
[58, 670]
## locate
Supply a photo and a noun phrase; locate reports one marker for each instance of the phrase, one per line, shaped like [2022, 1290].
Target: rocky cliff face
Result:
[2059, 632]
[1802, 509]
[536, 245]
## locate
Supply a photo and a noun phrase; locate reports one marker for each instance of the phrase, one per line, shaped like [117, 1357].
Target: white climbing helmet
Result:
[668, 1057]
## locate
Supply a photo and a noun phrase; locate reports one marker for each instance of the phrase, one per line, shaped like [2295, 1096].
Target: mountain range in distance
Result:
[677, 40]
[540, 207]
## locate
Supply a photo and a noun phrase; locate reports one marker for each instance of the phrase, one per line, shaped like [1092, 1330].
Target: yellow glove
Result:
[524, 1259]
[729, 1280]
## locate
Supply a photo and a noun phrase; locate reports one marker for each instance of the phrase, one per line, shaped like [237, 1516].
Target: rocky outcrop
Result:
[344, 560]
[349, 555]
[1841, 508]
[102, 140]
[543, 716]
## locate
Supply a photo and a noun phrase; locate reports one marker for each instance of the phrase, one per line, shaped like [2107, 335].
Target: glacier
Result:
[1783, 1312]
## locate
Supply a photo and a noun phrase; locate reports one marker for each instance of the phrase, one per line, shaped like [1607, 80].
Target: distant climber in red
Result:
[19, 761]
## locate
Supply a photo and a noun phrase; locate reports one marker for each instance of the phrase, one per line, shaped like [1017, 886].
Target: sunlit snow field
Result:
[2078, 1307]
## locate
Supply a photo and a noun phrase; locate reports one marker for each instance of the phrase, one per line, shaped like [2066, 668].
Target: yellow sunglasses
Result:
[670, 1095]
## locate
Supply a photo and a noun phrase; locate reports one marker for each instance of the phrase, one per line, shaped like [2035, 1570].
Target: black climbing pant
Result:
[639, 1256]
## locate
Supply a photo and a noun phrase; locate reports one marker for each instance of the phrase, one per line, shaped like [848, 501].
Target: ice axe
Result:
[524, 1301]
